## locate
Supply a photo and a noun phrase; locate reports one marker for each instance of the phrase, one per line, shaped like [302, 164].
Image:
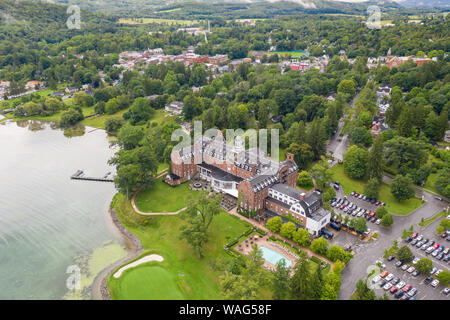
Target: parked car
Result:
[401, 284]
[415, 260]
[414, 242]
[419, 244]
[429, 250]
[390, 258]
[446, 291]
[414, 235]
[389, 277]
[377, 203]
[420, 237]
[435, 283]
[434, 253]
[433, 270]
[387, 286]
[428, 280]
[405, 266]
[373, 219]
[395, 280]
[407, 288]
[440, 256]
[399, 294]
[410, 269]
[382, 283]
[384, 274]
[393, 290]
[437, 272]
[412, 292]
[398, 264]
[376, 279]
[352, 193]
[415, 273]
[378, 221]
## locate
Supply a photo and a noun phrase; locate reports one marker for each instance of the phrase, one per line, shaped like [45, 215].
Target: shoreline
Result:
[100, 286]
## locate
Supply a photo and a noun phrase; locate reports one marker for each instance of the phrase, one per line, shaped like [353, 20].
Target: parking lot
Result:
[356, 206]
[424, 291]
[433, 243]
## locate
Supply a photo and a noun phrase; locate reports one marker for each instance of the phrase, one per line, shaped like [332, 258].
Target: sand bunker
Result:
[152, 257]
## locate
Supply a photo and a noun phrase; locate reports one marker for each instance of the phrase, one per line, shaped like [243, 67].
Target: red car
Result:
[394, 289]
[406, 288]
[342, 207]
[356, 194]
[372, 214]
[414, 235]
[437, 245]
[377, 203]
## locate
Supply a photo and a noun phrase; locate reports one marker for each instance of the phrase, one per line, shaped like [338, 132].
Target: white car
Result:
[411, 269]
[435, 283]
[437, 272]
[376, 279]
[389, 277]
[415, 260]
[378, 221]
[433, 270]
[401, 284]
[359, 214]
[382, 265]
[387, 286]
[405, 266]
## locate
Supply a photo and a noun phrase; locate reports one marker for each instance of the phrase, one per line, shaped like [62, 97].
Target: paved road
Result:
[368, 253]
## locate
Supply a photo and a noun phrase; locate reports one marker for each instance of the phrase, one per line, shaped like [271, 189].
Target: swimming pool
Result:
[273, 256]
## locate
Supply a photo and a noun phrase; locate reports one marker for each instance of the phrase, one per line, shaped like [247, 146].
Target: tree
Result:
[206, 207]
[320, 246]
[401, 188]
[317, 283]
[127, 179]
[301, 236]
[359, 224]
[194, 232]
[280, 281]
[444, 277]
[405, 152]
[300, 284]
[424, 265]
[387, 220]
[335, 253]
[375, 159]
[355, 162]
[380, 212]
[363, 292]
[405, 254]
[113, 124]
[371, 188]
[304, 180]
[287, 230]
[328, 292]
[347, 88]
[71, 117]
[129, 137]
[361, 137]
[139, 111]
[274, 224]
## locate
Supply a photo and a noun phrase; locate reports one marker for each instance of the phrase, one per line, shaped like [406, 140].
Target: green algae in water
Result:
[92, 265]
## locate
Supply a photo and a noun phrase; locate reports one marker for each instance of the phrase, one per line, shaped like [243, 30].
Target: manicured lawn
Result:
[392, 205]
[162, 167]
[160, 116]
[293, 54]
[182, 274]
[162, 197]
[433, 218]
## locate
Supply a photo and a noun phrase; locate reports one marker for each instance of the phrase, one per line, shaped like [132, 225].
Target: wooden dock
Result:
[79, 175]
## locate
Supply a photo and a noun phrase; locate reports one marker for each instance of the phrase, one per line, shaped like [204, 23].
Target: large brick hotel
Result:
[258, 182]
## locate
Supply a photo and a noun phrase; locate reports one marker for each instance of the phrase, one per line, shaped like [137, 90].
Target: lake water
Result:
[49, 222]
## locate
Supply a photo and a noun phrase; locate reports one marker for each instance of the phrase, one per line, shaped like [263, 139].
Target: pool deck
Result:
[245, 247]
